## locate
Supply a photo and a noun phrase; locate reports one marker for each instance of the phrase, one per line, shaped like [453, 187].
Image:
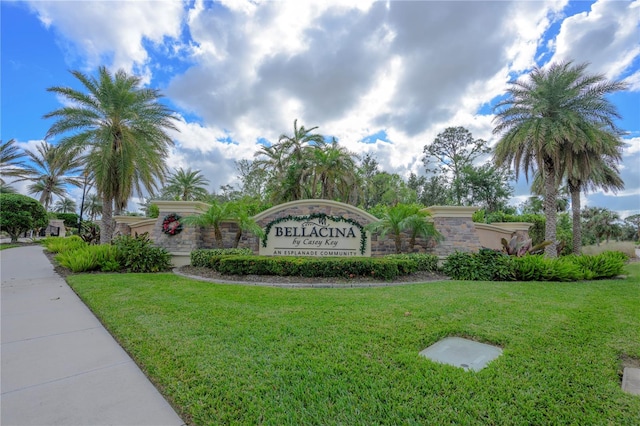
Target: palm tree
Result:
[294, 156]
[11, 163]
[53, 168]
[335, 172]
[66, 205]
[239, 212]
[186, 185]
[557, 109]
[404, 217]
[123, 127]
[214, 216]
[93, 206]
[591, 170]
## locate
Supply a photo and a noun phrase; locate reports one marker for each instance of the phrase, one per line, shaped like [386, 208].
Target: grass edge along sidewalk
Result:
[251, 355]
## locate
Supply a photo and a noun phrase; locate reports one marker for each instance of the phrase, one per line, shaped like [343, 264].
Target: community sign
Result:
[315, 235]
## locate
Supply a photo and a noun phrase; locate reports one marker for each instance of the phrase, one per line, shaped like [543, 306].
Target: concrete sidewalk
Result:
[59, 365]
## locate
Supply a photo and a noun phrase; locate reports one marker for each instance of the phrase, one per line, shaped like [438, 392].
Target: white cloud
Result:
[410, 69]
[112, 33]
[606, 37]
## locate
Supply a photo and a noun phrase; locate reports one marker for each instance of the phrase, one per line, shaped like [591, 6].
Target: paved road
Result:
[59, 365]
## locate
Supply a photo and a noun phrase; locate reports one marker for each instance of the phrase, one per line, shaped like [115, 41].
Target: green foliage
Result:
[424, 262]
[205, 257]
[489, 265]
[89, 258]
[486, 265]
[70, 219]
[137, 254]
[538, 268]
[461, 266]
[606, 265]
[61, 245]
[378, 268]
[19, 214]
[153, 211]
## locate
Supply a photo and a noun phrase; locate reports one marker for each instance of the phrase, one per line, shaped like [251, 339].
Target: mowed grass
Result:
[231, 354]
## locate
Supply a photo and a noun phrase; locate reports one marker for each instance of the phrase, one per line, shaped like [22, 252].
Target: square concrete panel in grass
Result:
[463, 353]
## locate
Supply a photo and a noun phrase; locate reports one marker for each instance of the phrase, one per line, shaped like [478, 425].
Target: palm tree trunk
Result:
[106, 228]
[574, 189]
[550, 213]
[218, 236]
[398, 242]
[237, 239]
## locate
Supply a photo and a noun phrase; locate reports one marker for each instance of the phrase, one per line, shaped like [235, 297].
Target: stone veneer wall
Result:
[457, 228]
[454, 223]
[190, 237]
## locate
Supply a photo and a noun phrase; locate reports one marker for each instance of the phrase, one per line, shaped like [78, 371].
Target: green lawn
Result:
[257, 355]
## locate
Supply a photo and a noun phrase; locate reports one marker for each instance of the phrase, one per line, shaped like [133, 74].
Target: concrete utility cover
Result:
[461, 352]
[631, 380]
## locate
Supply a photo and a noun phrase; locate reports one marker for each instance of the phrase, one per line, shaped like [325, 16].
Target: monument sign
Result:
[316, 234]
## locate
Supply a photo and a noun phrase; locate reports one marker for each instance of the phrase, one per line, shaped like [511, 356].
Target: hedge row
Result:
[241, 262]
[490, 265]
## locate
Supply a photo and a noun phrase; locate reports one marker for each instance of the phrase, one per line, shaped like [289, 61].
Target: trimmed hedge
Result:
[490, 265]
[209, 258]
[380, 268]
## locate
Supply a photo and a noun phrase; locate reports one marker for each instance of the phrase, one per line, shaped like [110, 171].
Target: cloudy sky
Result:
[383, 77]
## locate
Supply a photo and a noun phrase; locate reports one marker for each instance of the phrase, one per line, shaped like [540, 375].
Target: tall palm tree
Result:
[11, 163]
[557, 109]
[592, 169]
[123, 127]
[52, 169]
[297, 150]
[186, 185]
[334, 172]
[66, 205]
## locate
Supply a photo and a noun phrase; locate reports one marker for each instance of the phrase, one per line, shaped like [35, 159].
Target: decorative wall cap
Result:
[182, 207]
[315, 203]
[494, 228]
[514, 226]
[452, 211]
[56, 222]
[129, 220]
[145, 222]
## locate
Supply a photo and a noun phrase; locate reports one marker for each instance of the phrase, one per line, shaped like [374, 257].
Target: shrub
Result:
[380, 268]
[136, 254]
[90, 232]
[89, 258]
[424, 262]
[461, 266]
[70, 219]
[61, 245]
[605, 265]
[486, 265]
[19, 214]
[205, 257]
[538, 268]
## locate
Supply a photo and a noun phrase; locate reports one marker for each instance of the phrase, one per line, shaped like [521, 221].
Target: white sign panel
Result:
[315, 235]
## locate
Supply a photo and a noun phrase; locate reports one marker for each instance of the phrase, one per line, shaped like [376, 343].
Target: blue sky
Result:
[382, 77]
